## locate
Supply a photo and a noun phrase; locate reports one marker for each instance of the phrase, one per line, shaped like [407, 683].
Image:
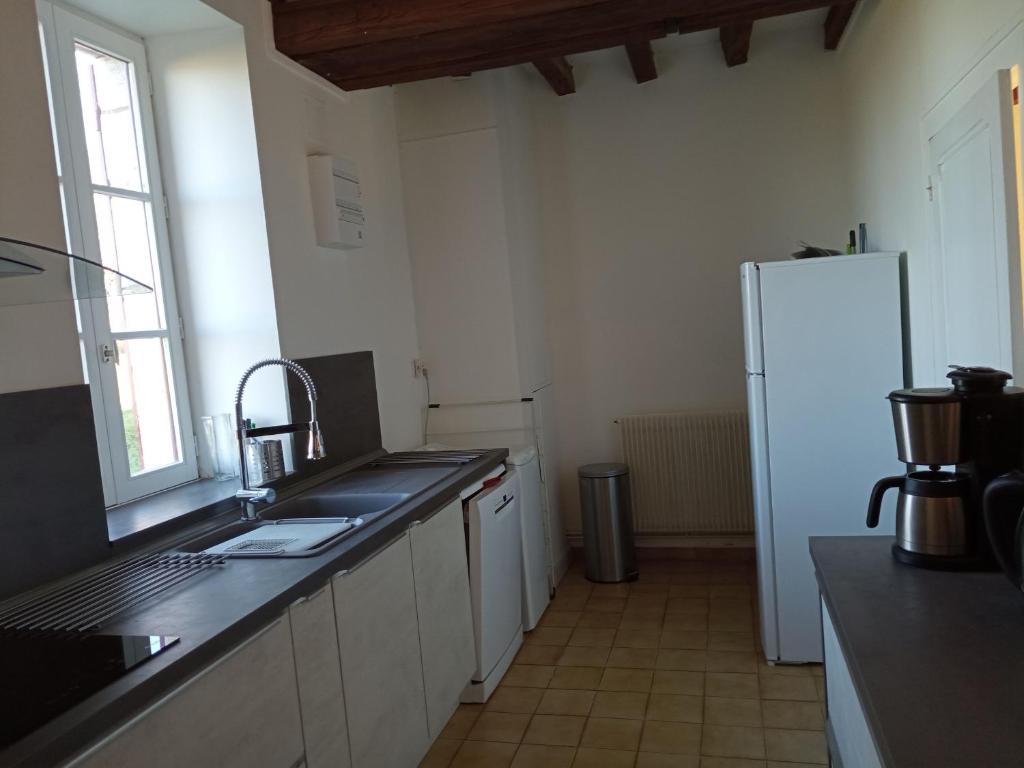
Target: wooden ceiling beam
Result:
[736, 42]
[307, 27]
[641, 59]
[836, 22]
[558, 72]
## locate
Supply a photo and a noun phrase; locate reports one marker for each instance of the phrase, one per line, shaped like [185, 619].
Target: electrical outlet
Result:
[419, 368]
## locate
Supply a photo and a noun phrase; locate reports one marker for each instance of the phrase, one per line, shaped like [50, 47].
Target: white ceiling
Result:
[147, 18]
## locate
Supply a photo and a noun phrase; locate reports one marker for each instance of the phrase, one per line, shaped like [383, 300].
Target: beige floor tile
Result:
[570, 599]
[558, 702]
[483, 754]
[654, 760]
[641, 623]
[460, 723]
[730, 641]
[731, 762]
[727, 622]
[576, 678]
[819, 687]
[777, 764]
[796, 746]
[638, 588]
[538, 654]
[583, 656]
[684, 638]
[678, 681]
[592, 636]
[636, 638]
[624, 704]
[729, 685]
[689, 590]
[528, 675]
[691, 578]
[733, 741]
[670, 738]
[633, 658]
[788, 688]
[441, 753]
[560, 618]
[549, 636]
[615, 679]
[540, 756]
[732, 591]
[686, 622]
[799, 715]
[731, 661]
[687, 661]
[610, 590]
[588, 757]
[606, 604]
[555, 730]
[599, 619]
[499, 726]
[687, 605]
[516, 700]
[675, 708]
[789, 670]
[612, 733]
[732, 711]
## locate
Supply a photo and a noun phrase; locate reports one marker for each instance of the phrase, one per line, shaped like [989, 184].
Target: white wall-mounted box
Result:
[337, 202]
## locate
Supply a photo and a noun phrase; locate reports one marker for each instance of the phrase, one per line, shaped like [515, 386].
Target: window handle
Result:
[109, 354]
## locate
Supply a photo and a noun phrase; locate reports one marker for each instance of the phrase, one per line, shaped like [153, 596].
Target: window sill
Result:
[162, 513]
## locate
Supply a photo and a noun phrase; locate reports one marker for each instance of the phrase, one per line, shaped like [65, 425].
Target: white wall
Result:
[331, 301]
[898, 62]
[39, 343]
[653, 195]
[218, 226]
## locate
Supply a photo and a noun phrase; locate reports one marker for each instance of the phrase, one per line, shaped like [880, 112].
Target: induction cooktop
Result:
[46, 675]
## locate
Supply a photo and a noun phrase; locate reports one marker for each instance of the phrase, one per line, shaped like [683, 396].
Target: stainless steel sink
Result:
[328, 504]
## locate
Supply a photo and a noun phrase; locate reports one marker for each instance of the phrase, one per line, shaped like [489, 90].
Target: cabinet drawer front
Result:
[318, 670]
[846, 718]
[445, 611]
[242, 711]
[378, 639]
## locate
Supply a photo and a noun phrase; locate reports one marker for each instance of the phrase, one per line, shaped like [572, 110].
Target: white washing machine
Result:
[536, 590]
[494, 545]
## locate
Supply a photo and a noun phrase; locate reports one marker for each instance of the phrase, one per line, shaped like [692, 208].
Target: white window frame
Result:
[62, 28]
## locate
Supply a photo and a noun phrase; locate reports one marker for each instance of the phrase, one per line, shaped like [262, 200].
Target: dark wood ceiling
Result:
[368, 43]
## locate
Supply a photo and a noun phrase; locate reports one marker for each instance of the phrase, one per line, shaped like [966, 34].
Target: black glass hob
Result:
[43, 676]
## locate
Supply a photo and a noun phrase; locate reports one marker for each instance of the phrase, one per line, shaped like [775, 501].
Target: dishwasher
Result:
[494, 548]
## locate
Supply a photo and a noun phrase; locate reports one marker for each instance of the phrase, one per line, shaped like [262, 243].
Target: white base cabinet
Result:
[242, 711]
[445, 610]
[851, 736]
[318, 672]
[378, 638]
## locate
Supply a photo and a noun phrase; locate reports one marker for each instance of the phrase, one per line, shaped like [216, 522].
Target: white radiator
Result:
[689, 472]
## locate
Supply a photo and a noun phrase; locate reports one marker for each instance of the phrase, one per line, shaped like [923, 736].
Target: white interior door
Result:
[976, 234]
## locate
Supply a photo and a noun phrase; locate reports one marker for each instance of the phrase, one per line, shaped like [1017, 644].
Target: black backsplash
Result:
[51, 497]
[346, 407]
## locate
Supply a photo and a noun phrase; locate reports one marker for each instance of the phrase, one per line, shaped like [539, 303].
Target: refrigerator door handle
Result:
[750, 280]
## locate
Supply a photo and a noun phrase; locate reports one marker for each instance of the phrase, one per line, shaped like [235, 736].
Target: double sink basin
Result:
[320, 518]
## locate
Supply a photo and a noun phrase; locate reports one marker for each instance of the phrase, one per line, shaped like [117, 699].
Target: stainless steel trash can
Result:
[607, 515]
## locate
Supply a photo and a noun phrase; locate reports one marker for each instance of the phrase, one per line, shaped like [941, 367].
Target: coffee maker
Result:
[977, 427]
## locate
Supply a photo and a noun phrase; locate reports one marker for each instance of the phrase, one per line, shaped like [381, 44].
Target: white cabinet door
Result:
[846, 718]
[242, 711]
[445, 611]
[318, 670]
[375, 605]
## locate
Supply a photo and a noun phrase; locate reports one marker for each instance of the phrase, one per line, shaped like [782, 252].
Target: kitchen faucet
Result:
[250, 497]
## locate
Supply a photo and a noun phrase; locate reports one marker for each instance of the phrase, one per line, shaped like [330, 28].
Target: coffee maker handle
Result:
[875, 505]
[1002, 506]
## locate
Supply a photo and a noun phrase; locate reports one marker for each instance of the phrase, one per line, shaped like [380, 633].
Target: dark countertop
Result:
[215, 611]
[937, 657]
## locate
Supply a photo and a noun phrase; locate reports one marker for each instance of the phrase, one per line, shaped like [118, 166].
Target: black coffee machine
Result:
[977, 427]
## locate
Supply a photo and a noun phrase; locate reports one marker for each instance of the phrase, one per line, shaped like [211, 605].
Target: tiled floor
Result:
[661, 673]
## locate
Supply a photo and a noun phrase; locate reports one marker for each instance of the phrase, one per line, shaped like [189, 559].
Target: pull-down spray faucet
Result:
[250, 497]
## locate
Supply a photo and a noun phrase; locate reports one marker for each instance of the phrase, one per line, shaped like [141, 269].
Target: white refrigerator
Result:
[824, 346]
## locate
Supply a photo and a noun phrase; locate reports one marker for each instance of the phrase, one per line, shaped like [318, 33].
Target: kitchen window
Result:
[115, 213]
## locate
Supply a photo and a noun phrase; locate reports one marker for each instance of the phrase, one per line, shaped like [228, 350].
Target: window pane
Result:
[148, 406]
[108, 112]
[126, 244]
